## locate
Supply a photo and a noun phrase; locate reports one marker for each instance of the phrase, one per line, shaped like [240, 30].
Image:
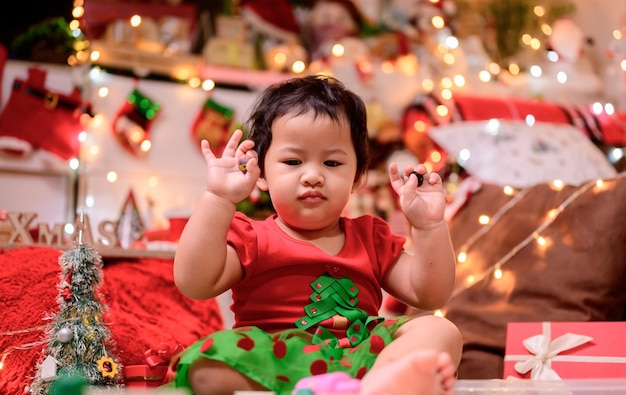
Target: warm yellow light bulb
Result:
[298, 66]
[337, 50]
[135, 20]
[435, 156]
[484, 76]
[194, 82]
[153, 181]
[419, 126]
[136, 134]
[557, 184]
[539, 11]
[442, 110]
[459, 80]
[111, 176]
[514, 69]
[78, 12]
[208, 85]
[438, 22]
[449, 59]
[145, 145]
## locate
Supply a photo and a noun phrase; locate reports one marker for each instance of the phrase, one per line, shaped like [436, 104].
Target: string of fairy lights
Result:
[447, 51]
[535, 237]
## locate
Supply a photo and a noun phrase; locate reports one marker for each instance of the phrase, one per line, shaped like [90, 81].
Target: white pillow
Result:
[513, 153]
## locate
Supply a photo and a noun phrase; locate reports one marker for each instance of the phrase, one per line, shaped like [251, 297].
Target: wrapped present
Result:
[154, 372]
[144, 376]
[565, 350]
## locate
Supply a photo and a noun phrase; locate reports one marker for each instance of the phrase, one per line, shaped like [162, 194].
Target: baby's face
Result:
[310, 168]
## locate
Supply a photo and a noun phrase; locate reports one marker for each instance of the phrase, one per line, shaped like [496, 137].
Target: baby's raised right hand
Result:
[225, 178]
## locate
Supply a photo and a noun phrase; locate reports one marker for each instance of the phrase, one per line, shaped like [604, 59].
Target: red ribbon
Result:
[66, 294]
[162, 355]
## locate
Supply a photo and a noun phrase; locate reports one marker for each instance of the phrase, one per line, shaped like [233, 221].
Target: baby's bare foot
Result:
[424, 372]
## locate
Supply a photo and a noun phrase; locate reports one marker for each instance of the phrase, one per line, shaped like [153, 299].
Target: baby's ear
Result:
[261, 183]
[358, 183]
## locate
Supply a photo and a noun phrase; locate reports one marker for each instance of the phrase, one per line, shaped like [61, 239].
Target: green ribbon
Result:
[336, 296]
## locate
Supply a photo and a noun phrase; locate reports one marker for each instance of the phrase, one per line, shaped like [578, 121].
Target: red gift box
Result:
[565, 350]
[154, 372]
[144, 376]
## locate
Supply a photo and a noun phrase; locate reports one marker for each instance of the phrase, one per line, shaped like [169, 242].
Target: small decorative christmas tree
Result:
[79, 342]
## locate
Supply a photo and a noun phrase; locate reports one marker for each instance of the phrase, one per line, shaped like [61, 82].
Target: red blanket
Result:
[144, 309]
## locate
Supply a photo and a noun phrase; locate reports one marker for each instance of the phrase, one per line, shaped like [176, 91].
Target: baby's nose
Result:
[312, 175]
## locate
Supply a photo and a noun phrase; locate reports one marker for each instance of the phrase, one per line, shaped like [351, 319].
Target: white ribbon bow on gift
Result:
[544, 350]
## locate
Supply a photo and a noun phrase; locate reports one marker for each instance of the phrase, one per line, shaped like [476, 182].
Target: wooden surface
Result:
[107, 252]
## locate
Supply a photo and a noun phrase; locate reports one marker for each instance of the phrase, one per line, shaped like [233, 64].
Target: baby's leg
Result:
[209, 377]
[422, 372]
[421, 360]
[422, 333]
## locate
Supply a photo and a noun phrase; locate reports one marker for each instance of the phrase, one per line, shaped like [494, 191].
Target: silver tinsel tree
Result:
[79, 342]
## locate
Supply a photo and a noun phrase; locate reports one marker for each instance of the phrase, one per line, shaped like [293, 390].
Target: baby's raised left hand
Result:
[423, 205]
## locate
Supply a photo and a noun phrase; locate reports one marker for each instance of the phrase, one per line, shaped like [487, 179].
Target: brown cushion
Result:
[580, 275]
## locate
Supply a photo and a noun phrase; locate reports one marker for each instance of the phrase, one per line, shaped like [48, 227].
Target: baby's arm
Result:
[204, 266]
[425, 278]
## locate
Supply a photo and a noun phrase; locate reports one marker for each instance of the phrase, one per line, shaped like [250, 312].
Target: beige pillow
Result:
[507, 152]
[579, 275]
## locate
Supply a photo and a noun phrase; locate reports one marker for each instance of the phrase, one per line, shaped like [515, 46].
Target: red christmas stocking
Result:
[213, 124]
[133, 123]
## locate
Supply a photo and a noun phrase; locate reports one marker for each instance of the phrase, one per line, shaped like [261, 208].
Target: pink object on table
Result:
[328, 383]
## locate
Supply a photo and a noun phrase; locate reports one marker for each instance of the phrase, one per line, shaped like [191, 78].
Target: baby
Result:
[307, 281]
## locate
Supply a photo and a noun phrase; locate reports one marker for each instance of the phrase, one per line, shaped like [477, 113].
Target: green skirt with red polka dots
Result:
[279, 360]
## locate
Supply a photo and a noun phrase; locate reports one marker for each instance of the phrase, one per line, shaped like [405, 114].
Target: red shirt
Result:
[279, 270]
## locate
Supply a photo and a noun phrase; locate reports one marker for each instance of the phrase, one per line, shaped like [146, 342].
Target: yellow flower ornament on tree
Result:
[107, 367]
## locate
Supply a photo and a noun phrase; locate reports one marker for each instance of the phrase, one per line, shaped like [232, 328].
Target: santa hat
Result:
[272, 17]
[353, 8]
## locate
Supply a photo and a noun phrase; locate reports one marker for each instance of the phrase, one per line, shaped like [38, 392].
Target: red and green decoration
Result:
[335, 295]
[213, 123]
[133, 122]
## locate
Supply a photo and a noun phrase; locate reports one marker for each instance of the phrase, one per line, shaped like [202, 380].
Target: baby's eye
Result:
[292, 162]
[331, 163]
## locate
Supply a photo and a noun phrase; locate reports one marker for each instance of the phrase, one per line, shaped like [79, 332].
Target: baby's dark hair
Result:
[322, 95]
